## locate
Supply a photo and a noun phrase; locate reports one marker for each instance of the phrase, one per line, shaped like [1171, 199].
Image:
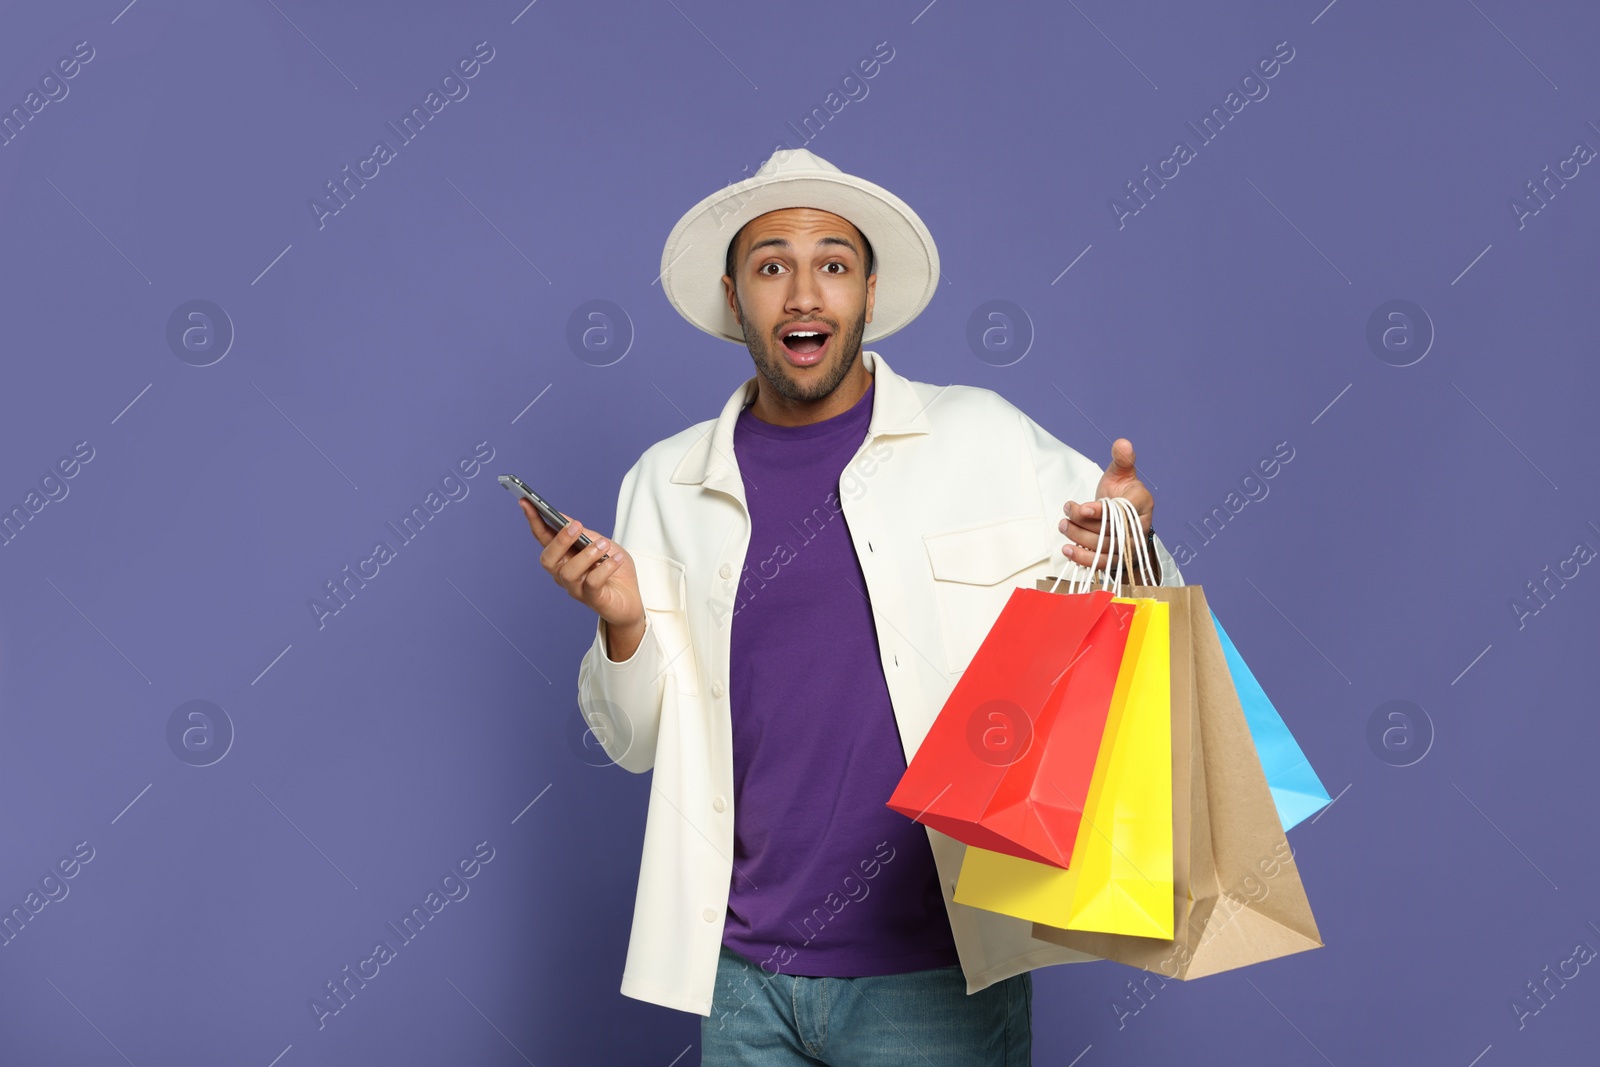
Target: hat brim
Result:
[907, 261]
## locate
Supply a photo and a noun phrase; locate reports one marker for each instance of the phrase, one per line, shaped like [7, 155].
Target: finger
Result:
[592, 571]
[1085, 557]
[556, 548]
[577, 565]
[601, 572]
[1143, 506]
[1121, 459]
[1079, 535]
[1084, 514]
[578, 530]
[602, 543]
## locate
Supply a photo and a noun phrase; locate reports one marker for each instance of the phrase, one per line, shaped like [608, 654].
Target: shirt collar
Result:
[896, 409]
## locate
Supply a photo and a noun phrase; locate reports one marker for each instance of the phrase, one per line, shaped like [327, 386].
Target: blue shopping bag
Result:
[1296, 789]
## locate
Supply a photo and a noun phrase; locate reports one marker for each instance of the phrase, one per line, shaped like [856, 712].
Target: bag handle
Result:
[1119, 520]
[1135, 535]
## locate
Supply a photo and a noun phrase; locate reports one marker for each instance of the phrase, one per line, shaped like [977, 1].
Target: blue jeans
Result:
[922, 1018]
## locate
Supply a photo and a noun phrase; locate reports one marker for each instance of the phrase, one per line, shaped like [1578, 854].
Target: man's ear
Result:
[732, 298]
[872, 291]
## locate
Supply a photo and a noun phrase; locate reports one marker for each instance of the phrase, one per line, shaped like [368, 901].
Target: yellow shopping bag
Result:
[1119, 879]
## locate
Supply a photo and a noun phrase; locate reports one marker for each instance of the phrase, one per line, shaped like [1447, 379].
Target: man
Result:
[878, 525]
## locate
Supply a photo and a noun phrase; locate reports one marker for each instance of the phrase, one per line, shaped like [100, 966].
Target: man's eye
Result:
[764, 267]
[836, 263]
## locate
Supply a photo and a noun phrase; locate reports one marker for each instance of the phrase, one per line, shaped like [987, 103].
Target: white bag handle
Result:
[1118, 543]
[1119, 521]
[1141, 543]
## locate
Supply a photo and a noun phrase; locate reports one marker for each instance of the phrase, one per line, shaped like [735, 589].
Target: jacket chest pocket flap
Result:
[662, 590]
[970, 569]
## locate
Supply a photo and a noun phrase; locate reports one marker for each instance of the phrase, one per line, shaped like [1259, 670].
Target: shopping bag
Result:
[1032, 702]
[1119, 879]
[1008, 762]
[1236, 889]
[1296, 790]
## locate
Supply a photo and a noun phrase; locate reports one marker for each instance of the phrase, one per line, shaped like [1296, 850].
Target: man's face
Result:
[801, 270]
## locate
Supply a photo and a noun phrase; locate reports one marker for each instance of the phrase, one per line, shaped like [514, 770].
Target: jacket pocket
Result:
[662, 590]
[974, 570]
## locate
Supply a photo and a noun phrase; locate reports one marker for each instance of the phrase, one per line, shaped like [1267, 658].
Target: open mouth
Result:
[805, 343]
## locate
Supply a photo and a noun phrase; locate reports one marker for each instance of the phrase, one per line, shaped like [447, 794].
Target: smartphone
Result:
[552, 517]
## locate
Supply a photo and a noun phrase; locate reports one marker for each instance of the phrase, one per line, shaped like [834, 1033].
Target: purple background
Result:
[372, 354]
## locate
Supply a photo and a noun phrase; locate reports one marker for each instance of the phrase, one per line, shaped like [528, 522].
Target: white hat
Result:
[693, 261]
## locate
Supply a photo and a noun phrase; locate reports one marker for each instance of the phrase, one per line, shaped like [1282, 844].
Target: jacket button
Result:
[719, 804]
[726, 571]
[716, 689]
[709, 915]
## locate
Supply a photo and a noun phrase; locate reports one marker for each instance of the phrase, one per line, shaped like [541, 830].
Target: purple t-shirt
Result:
[827, 879]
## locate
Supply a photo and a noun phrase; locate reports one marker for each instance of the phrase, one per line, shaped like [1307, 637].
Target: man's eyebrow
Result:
[783, 242]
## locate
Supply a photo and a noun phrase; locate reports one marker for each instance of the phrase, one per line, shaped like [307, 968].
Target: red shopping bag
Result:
[1007, 763]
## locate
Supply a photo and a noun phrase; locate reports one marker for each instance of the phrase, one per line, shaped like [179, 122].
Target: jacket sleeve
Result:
[621, 700]
[1067, 474]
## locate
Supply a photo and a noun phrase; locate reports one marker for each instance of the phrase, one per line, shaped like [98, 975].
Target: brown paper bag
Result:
[1237, 894]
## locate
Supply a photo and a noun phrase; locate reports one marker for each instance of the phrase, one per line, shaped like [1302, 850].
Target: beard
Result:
[771, 364]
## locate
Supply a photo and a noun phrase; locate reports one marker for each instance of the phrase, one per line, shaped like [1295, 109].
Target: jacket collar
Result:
[896, 409]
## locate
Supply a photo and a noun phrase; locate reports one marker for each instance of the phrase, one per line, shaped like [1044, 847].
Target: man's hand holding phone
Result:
[609, 587]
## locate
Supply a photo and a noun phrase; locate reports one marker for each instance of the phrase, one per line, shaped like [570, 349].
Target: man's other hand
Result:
[1082, 524]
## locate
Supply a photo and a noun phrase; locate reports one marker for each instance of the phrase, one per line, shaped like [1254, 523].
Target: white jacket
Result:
[951, 502]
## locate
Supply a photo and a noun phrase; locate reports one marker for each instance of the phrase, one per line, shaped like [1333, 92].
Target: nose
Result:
[805, 295]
